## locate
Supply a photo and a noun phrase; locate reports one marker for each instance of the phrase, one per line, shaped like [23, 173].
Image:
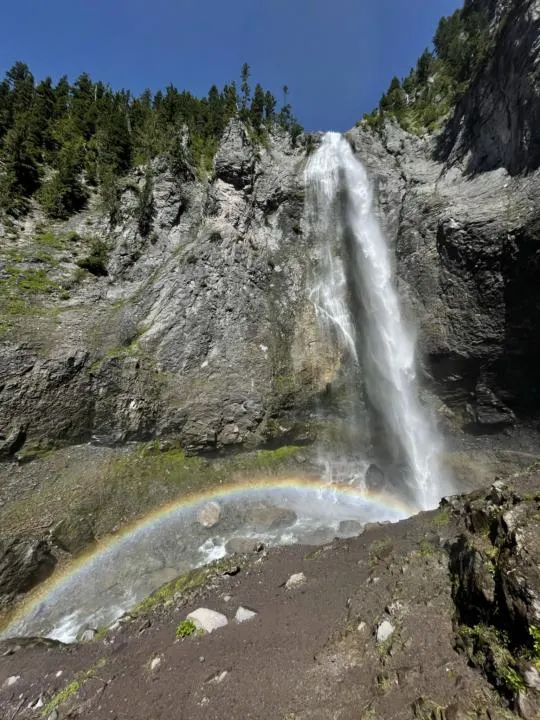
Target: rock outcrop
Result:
[201, 331]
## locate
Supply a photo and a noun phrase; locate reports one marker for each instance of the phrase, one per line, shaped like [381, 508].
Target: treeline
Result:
[461, 44]
[58, 141]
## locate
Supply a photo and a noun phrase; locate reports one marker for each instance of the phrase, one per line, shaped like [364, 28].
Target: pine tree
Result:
[244, 88]
[258, 106]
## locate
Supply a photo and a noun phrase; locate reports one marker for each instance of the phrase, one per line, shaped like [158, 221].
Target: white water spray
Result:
[356, 294]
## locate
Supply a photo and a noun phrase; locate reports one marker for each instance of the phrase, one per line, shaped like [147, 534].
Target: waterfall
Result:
[356, 294]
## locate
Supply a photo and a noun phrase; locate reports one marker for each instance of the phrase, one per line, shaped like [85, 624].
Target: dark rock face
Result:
[23, 565]
[465, 225]
[495, 567]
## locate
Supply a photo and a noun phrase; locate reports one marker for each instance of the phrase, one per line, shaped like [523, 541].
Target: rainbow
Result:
[381, 504]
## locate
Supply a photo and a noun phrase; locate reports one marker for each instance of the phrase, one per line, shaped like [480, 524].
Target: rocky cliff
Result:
[201, 330]
[461, 210]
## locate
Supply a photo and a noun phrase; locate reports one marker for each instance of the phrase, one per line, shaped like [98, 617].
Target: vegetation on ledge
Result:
[421, 101]
[60, 142]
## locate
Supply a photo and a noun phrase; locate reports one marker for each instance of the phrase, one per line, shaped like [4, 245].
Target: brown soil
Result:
[310, 652]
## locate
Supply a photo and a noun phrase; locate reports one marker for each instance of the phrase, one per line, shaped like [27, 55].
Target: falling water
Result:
[356, 294]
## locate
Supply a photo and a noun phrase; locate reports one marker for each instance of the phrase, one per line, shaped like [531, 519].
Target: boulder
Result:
[207, 620]
[23, 564]
[209, 514]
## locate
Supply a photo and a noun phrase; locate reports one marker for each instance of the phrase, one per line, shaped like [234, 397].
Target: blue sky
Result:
[337, 56]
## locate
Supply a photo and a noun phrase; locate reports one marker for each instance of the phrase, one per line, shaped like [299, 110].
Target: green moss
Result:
[441, 518]
[379, 550]
[185, 583]
[185, 629]
[426, 547]
[487, 648]
[72, 688]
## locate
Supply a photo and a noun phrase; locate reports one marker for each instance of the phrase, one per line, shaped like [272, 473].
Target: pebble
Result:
[11, 680]
[295, 581]
[219, 678]
[154, 665]
[244, 614]
[361, 627]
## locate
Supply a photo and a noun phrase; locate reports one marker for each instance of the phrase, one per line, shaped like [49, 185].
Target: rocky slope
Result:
[434, 618]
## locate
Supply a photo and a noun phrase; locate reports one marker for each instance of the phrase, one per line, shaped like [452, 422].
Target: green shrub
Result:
[96, 261]
[186, 628]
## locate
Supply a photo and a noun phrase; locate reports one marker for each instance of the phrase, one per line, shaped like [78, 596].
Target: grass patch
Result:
[188, 582]
[72, 688]
[380, 550]
[185, 629]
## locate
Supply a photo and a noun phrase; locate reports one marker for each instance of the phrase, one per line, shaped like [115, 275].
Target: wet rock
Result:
[244, 614]
[374, 478]
[488, 410]
[349, 528]
[87, 635]
[385, 630]
[23, 565]
[209, 514]
[73, 534]
[207, 620]
[268, 517]
[241, 546]
[295, 581]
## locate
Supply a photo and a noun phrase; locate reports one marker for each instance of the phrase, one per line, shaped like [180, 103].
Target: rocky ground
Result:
[434, 617]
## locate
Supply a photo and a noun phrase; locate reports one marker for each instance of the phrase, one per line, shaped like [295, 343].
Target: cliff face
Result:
[466, 232]
[203, 330]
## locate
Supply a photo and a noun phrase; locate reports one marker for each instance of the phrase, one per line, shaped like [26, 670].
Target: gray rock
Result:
[241, 546]
[385, 630]
[268, 517]
[244, 614]
[87, 635]
[295, 581]
[207, 620]
[208, 516]
[349, 528]
[23, 564]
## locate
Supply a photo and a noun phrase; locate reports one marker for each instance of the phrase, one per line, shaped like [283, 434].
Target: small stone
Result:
[201, 658]
[295, 581]
[209, 514]
[244, 614]
[11, 680]
[532, 678]
[54, 715]
[87, 636]
[227, 598]
[218, 678]
[385, 630]
[361, 627]
[207, 620]
[59, 673]
[154, 665]
[37, 703]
